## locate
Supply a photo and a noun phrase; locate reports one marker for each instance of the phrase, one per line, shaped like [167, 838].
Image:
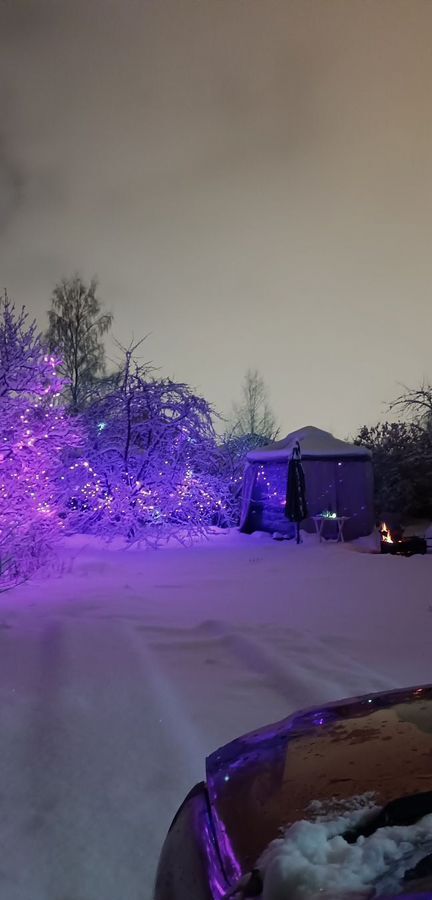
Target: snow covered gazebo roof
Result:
[314, 443]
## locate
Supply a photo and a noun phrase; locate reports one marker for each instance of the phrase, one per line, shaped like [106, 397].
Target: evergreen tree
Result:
[402, 460]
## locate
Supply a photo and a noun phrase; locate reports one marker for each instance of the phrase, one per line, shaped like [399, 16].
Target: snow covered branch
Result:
[33, 431]
[153, 468]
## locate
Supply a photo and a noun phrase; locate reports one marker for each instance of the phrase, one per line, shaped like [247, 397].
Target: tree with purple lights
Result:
[153, 468]
[33, 431]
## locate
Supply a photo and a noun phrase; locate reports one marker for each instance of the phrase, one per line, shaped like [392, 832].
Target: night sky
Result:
[250, 180]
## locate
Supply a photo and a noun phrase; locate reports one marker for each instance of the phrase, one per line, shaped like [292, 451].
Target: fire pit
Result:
[401, 546]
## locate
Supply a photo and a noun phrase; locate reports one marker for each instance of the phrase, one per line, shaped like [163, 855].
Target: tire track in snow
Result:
[329, 674]
[172, 711]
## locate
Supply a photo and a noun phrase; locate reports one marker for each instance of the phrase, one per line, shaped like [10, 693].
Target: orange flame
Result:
[385, 533]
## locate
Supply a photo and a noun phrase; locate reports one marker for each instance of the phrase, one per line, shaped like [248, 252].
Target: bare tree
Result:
[253, 416]
[76, 327]
[416, 403]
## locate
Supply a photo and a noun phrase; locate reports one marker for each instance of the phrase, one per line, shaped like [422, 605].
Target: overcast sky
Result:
[249, 179]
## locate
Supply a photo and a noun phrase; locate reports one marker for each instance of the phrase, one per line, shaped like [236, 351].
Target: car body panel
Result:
[261, 783]
[265, 781]
[190, 865]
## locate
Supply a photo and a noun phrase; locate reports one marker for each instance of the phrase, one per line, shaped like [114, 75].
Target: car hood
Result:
[265, 781]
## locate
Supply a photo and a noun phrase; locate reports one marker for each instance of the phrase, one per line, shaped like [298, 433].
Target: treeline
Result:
[129, 453]
[402, 459]
[125, 452]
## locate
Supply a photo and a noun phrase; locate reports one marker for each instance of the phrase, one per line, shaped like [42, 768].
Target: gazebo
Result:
[339, 481]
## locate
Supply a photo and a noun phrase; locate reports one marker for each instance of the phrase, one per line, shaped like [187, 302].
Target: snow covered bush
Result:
[153, 468]
[402, 459]
[33, 431]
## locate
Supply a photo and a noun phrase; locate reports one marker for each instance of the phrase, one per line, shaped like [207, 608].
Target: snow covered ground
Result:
[124, 669]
